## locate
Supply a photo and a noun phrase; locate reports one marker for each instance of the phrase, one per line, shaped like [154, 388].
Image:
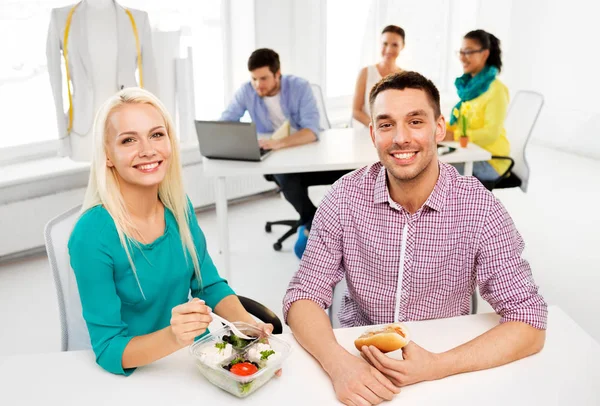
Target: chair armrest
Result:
[506, 158]
[262, 312]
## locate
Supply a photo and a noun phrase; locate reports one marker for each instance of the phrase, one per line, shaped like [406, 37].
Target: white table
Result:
[566, 372]
[337, 149]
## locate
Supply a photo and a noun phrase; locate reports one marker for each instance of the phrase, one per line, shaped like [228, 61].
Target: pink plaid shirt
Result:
[403, 267]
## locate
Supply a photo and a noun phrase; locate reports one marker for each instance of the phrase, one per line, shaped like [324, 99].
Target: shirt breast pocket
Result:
[370, 254]
[456, 269]
[128, 288]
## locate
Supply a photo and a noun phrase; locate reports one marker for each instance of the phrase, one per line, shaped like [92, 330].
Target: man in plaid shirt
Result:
[412, 238]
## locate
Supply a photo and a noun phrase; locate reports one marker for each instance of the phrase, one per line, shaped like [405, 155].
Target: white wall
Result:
[549, 47]
[553, 49]
[292, 28]
[560, 231]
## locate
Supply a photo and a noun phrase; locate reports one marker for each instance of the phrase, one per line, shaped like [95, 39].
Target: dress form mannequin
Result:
[101, 20]
[103, 58]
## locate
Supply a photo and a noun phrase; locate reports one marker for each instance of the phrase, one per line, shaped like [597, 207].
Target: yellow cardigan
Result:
[486, 125]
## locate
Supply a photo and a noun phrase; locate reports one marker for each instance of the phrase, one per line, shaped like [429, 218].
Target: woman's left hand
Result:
[265, 328]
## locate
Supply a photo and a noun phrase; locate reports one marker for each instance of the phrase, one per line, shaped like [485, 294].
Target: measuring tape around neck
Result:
[66, 57]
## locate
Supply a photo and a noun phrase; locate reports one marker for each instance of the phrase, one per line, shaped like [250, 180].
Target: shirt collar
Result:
[381, 193]
[436, 199]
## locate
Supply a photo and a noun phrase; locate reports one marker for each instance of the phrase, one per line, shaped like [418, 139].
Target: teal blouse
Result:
[114, 307]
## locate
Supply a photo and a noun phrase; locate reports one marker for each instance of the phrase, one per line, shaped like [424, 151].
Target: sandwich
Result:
[386, 338]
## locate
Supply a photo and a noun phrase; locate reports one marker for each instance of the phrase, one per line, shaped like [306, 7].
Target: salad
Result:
[262, 354]
[249, 363]
[236, 342]
[236, 365]
[215, 354]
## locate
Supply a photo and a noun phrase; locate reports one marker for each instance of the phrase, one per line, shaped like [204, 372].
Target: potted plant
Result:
[463, 121]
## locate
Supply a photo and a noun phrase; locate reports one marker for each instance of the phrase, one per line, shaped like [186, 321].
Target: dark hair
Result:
[394, 29]
[488, 41]
[408, 80]
[264, 57]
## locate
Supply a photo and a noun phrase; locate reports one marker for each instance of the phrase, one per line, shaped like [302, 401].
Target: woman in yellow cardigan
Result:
[481, 58]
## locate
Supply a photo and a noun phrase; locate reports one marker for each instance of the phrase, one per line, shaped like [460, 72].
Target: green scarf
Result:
[469, 87]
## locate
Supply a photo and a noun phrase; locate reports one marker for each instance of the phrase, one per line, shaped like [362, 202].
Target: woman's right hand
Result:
[189, 320]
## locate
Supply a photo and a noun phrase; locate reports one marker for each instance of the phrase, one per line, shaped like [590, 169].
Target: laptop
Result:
[229, 140]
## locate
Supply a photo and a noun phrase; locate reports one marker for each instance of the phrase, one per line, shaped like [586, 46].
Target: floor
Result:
[558, 219]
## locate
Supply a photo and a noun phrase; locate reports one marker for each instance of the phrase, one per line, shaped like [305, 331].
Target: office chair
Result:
[324, 122]
[336, 304]
[339, 291]
[74, 332]
[294, 224]
[520, 122]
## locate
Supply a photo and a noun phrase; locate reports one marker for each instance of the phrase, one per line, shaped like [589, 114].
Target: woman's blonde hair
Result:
[103, 186]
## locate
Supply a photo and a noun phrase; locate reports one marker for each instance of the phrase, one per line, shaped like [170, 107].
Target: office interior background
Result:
[548, 47]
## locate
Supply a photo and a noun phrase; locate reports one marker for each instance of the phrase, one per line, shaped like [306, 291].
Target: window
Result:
[202, 25]
[426, 25]
[26, 99]
[25, 93]
[344, 45]
[353, 29]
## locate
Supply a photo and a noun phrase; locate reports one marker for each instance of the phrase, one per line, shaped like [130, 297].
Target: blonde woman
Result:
[137, 250]
[392, 42]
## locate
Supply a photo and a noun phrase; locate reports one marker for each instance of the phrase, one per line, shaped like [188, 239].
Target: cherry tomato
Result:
[243, 369]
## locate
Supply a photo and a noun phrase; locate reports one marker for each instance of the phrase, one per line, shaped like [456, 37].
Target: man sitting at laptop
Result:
[274, 100]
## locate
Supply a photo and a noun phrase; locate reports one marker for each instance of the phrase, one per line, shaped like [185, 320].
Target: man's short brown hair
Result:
[407, 80]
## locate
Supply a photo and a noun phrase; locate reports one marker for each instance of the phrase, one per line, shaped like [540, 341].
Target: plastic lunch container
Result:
[213, 369]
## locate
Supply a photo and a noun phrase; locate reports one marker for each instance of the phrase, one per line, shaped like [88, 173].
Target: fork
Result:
[233, 328]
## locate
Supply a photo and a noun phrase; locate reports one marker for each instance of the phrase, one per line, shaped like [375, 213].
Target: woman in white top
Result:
[392, 42]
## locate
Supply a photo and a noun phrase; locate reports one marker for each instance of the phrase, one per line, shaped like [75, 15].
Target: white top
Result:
[337, 149]
[373, 77]
[276, 115]
[566, 372]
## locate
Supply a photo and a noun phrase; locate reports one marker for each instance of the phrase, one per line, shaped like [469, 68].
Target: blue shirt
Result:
[114, 307]
[297, 103]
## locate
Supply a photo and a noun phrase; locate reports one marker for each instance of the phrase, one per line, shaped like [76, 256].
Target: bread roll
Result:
[387, 338]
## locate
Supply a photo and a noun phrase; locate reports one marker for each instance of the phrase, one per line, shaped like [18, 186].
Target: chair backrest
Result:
[74, 332]
[336, 304]
[324, 120]
[520, 121]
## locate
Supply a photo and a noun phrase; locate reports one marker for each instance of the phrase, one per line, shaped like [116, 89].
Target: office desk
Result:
[337, 149]
[566, 372]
